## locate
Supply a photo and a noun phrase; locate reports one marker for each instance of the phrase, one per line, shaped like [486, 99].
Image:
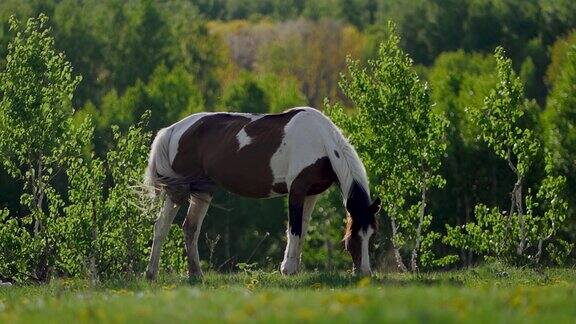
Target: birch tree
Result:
[401, 141]
[36, 88]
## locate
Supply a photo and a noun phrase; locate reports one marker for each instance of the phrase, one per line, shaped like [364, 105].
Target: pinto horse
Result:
[299, 153]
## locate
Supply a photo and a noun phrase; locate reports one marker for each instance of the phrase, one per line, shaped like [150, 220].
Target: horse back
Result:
[212, 147]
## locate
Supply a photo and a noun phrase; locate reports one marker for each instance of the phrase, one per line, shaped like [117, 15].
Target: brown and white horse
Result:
[300, 153]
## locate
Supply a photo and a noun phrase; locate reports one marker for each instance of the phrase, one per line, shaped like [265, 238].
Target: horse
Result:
[299, 153]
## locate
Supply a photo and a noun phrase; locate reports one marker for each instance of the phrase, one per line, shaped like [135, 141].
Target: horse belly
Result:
[247, 176]
[246, 186]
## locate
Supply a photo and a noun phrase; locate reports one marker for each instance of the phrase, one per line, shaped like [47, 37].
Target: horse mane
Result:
[344, 159]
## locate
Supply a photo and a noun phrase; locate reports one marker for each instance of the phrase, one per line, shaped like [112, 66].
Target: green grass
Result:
[489, 294]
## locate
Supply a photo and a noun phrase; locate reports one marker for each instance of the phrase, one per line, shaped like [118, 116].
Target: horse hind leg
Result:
[161, 228]
[199, 204]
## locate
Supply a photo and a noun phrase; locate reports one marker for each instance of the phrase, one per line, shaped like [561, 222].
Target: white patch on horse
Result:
[300, 147]
[243, 139]
[279, 166]
[178, 130]
[365, 262]
[250, 116]
[291, 256]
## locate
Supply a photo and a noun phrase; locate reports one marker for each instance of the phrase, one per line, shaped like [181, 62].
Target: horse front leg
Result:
[199, 205]
[161, 228]
[300, 209]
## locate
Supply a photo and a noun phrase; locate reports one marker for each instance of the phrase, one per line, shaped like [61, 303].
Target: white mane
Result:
[344, 159]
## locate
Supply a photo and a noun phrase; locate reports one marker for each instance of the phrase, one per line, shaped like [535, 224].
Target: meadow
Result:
[491, 293]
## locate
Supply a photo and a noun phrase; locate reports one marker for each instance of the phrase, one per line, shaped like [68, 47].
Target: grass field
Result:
[489, 294]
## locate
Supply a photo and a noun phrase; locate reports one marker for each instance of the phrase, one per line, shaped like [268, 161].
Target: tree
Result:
[472, 171]
[401, 141]
[36, 130]
[499, 120]
[170, 95]
[317, 68]
[558, 121]
[246, 95]
[520, 233]
[115, 43]
[282, 92]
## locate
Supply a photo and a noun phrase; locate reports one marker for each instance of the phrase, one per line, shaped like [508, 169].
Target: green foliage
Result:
[98, 237]
[37, 86]
[18, 247]
[114, 44]
[126, 161]
[499, 119]
[489, 235]
[170, 95]
[532, 221]
[324, 249]
[36, 131]
[472, 171]
[399, 137]
[495, 235]
[558, 120]
[92, 232]
[282, 93]
[428, 258]
[85, 214]
[262, 93]
[459, 80]
[246, 95]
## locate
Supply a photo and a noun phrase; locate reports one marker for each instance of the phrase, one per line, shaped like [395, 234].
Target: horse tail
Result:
[159, 165]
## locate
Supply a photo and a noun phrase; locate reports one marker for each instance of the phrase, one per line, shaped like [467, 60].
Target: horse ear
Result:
[375, 207]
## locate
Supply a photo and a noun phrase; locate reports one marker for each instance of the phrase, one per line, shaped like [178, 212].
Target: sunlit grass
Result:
[489, 293]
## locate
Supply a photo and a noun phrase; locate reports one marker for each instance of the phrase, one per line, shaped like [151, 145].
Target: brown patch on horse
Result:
[352, 243]
[316, 178]
[210, 148]
[280, 188]
[312, 180]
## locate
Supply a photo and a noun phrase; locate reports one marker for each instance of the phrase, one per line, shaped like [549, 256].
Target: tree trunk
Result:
[38, 196]
[93, 267]
[130, 246]
[516, 203]
[520, 208]
[397, 254]
[42, 267]
[414, 258]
